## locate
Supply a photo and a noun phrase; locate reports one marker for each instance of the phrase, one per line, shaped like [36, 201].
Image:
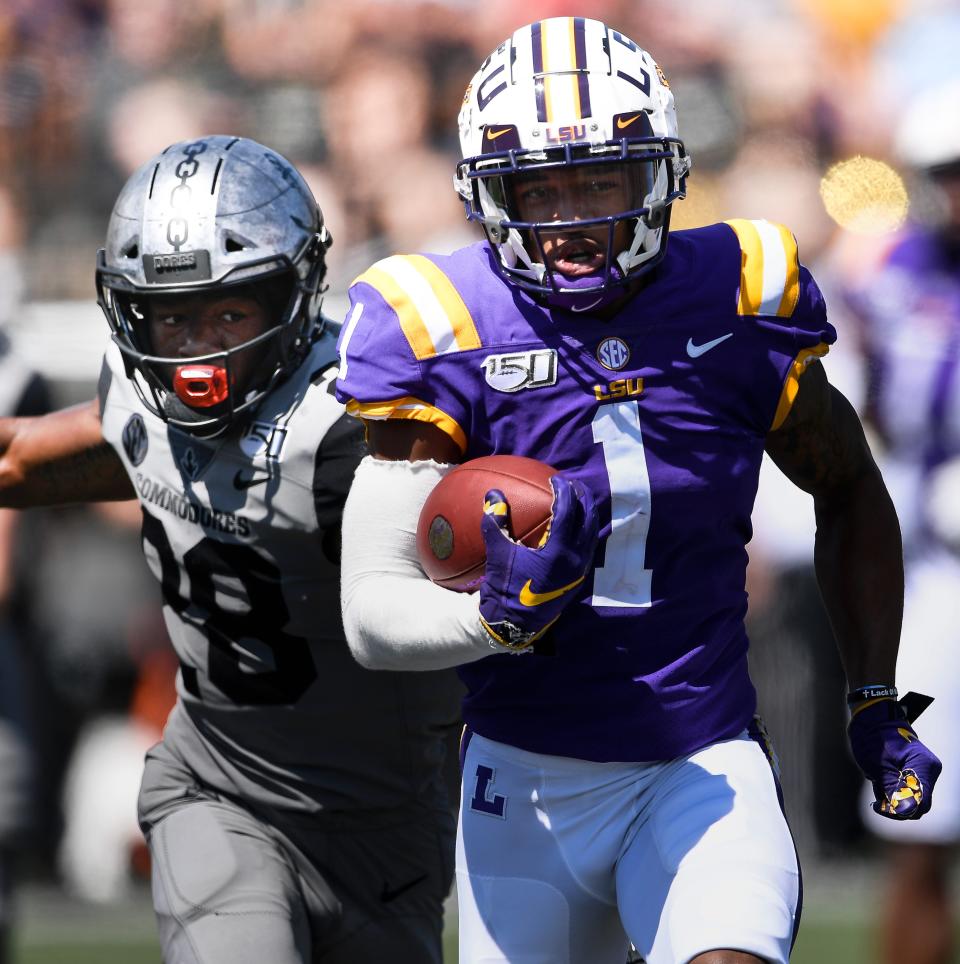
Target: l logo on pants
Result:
[484, 800]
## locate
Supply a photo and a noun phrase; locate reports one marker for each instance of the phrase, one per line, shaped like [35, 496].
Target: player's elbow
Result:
[365, 644]
[857, 481]
[360, 648]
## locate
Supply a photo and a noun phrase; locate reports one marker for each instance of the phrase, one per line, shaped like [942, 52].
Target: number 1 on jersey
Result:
[622, 580]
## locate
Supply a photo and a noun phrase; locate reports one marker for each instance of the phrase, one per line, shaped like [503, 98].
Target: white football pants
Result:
[563, 861]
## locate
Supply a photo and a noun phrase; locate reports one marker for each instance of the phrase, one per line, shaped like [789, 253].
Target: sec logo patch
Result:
[613, 353]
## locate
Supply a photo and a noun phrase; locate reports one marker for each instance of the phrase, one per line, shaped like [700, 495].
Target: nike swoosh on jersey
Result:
[695, 351]
[392, 893]
[621, 123]
[530, 598]
[241, 483]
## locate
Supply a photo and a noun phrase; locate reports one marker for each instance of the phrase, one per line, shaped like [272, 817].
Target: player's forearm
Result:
[59, 458]
[412, 624]
[394, 617]
[859, 563]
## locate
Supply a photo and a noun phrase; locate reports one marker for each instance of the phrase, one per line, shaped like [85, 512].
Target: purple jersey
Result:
[662, 411]
[909, 310]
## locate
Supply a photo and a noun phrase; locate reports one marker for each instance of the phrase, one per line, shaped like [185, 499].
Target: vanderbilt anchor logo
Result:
[135, 439]
[519, 370]
[190, 464]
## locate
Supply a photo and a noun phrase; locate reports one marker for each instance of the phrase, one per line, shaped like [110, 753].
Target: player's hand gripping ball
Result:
[450, 544]
[891, 756]
[525, 589]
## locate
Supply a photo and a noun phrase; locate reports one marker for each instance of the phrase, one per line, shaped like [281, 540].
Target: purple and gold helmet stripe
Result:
[580, 63]
[537, 41]
[409, 407]
[559, 51]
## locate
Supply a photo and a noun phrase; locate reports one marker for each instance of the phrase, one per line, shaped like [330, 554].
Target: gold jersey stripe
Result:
[751, 266]
[431, 312]
[395, 296]
[791, 291]
[769, 268]
[791, 384]
[409, 407]
[455, 311]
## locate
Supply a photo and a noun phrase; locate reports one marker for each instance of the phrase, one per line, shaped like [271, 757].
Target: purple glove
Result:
[524, 590]
[888, 751]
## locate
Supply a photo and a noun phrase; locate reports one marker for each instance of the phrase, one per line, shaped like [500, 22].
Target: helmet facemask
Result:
[623, 242]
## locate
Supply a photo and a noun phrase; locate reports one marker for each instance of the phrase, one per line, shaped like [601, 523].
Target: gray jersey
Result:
[243, 532]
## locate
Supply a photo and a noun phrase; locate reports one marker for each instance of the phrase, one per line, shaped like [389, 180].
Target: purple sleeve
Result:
[386, 345]
[792, 343]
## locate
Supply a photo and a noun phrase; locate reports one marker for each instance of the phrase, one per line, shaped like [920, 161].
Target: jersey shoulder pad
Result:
[769, 268]
[114, 385]
[423, 298]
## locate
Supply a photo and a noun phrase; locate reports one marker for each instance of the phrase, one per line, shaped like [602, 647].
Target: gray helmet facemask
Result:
[203, 217]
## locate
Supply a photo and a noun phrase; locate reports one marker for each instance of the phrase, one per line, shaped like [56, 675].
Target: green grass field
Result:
[819, 943]
[56, 930]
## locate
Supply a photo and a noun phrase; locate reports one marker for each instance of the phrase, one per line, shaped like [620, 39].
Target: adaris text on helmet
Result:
[182, 266]
[174, 262]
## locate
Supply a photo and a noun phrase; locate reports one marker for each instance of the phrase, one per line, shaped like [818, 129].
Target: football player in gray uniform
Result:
[295, 808]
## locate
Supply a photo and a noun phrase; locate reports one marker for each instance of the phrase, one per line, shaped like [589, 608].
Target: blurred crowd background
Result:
[363, 97]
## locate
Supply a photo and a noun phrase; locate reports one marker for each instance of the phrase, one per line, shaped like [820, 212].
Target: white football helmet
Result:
[570, 92]
[928, 136]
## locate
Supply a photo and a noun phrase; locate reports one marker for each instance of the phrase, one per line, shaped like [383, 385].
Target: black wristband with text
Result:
[875, 691]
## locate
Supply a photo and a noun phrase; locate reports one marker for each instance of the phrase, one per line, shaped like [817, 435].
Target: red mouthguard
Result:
[201, 385]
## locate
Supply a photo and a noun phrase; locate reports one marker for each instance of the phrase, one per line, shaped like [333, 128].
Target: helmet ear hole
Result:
[654, 219]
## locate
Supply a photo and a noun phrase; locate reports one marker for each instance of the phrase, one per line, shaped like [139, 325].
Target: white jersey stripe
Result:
[425, 300]
[774, 267]
[347, 335]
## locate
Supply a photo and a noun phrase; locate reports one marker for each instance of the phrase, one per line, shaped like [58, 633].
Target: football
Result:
[449, 541]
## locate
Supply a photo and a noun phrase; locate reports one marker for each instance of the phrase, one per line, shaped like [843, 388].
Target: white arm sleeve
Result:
[394, 616]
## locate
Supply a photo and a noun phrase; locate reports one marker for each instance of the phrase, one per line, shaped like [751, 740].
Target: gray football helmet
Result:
[200, 216]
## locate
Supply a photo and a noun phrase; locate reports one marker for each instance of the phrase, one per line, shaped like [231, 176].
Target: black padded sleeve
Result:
[337, 459]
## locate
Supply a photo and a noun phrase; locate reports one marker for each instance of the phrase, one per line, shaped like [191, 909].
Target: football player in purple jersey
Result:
[617, 787]
[908, 307]
[295, 808]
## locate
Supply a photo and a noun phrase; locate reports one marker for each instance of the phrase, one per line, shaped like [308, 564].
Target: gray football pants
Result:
[229, 888]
